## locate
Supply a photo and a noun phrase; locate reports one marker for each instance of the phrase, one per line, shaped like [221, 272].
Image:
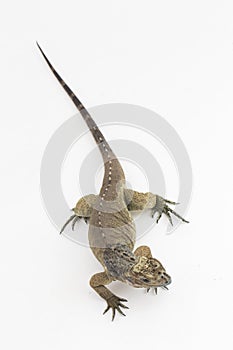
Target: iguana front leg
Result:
[82, 210]
[138, 201]
[98, 282]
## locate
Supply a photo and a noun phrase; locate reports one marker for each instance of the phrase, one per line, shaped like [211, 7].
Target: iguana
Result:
[111, 227]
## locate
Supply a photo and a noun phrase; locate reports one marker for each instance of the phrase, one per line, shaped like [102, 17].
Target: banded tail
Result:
[104, 147]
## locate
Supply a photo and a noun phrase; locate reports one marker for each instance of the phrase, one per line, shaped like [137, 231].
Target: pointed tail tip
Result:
[38, 45]
[40, 48]
[43, 54]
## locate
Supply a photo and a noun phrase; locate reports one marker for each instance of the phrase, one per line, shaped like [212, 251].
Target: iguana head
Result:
[147, 273]
[138, 271]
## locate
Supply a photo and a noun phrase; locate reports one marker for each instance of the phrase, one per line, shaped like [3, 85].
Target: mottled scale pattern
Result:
[118, 259]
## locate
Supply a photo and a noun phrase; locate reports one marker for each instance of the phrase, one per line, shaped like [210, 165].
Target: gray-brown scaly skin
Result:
[111, 226]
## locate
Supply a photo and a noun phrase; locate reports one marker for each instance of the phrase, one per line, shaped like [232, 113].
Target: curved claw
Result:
[162, 208]
[73, 218]
[74, 222]
[166, 212]
[165, 287]
[115, 304]
[171, 202]
[155, 290]
[180, 217]
[158, 218]
[86, 219]
[106, 310]
[67, 222]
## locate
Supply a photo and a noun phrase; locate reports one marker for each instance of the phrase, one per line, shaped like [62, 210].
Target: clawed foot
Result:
[74, 218]
[156, 289]
[114, 303]
[161, 207]
[165, 287]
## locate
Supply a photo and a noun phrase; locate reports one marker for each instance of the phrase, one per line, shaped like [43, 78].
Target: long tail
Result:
[98, 136]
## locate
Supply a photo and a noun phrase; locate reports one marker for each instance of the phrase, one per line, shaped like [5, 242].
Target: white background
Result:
[174, 57]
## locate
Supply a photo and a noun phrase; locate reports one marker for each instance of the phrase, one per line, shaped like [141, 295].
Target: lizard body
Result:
[111, 231]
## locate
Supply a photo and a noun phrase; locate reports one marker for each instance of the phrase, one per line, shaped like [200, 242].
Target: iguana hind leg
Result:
[138, 201]
[98, 282]
[82, 210]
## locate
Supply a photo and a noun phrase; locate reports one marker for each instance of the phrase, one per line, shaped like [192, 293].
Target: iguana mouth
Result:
[137, 284]
[166, 284]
